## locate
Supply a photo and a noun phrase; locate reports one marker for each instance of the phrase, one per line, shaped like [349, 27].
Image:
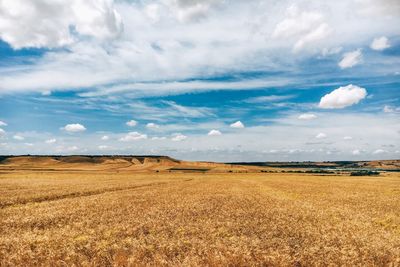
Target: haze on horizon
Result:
[213, 80]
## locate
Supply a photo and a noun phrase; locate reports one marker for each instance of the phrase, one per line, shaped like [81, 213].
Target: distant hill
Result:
[115, 163]
[375, 164]
[168, 164]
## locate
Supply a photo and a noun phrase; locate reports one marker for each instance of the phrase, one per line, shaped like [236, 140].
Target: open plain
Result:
[121, 217]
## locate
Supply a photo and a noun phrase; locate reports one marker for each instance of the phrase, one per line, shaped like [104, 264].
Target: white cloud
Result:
[321, 32]
[268, 98]
[214, 133]
[347, 138]
[51, 141]
[193, 10]
[133, 136]
[131, 123]
[343, 97]
[153, 12]
[321, 136]
[331, 51]
[179, 137]
[351, 59]
[42, 23]
[2, 123]
[152, 126]
[105, 137]
[74, 128]
[380, 43]
[307, 116]
[297, 22]
[390, 109]
[2, 132]
[305, 27]
[190, 112]
[237, 125]
[356, 152]
[18, 137]
[374, 8]
[379, 151]
[103, 147]
[144, 54]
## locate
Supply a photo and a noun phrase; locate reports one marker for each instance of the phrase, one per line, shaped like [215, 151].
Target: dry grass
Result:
[122, 219]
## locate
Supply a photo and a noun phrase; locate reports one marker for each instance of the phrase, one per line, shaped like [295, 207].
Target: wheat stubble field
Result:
[103, 218]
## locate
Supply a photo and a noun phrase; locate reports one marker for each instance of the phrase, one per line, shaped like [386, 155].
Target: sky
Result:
[213, 80]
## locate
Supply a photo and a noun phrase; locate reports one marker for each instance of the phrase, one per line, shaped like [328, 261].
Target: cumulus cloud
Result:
[237, 125]
[103, 147]
[179, 137]
[2, 132]
[307, 116]
[356, 152]
[152, 126]
[131, 123]
[42, 23]
[74, 128]
[133, 136]
[343, 97]
[51, 141]
[2, 123]
[214, 133]
[105, 137]
[350, 59]
[18, 137]
[380, 43]
[321, 136]
[347, 138]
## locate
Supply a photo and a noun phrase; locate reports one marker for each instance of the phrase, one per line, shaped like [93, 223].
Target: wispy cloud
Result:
[269, 98]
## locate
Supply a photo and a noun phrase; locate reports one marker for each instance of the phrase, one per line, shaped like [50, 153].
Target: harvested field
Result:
[63, 218]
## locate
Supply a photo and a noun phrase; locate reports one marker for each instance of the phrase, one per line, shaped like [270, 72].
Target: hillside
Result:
[115, 163]
[168, 164]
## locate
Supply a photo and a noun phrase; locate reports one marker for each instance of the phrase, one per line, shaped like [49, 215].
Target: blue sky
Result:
[201, 80]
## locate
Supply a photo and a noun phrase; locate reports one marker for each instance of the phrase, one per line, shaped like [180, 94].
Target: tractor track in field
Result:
[82, 194]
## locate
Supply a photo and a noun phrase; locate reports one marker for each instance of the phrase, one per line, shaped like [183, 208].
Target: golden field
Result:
[106, 218]
[158, 211]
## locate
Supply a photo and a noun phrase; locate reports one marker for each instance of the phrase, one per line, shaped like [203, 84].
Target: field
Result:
[110, 218]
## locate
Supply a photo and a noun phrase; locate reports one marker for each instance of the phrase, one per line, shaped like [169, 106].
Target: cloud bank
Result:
[43, 23]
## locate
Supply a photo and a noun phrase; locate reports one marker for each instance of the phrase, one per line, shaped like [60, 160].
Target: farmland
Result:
[125, 218]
